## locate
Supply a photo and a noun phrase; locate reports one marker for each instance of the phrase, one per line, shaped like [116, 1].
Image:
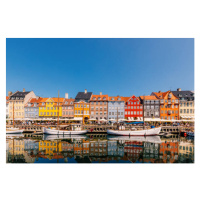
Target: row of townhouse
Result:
[164, 105]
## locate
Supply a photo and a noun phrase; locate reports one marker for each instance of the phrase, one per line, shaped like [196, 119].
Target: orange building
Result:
[169, 105]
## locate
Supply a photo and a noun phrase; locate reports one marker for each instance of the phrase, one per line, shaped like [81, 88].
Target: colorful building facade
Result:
[133, 108]
[151, 106]
[50, 108]
[99, 107]
[186, 105]
[19, 100]
[116, 108]
[68, 108]
[31, 108]
[169, 105]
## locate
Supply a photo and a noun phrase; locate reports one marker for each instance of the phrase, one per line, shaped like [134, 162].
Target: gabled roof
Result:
[83, 95]
[99, 96]
[160, 95]
[68, 101]
[33, 100]
[19, 94]
[149, 97]
[184, 94]
[116, 98]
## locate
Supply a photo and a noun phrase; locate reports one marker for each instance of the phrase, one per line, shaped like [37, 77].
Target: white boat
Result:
[14, 131]
[146, 132]
[152, 139]
[63, 132]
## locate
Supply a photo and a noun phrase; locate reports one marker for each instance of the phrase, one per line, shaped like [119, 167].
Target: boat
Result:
[144, 132]
[152, 139]
[75, 128]
[52, 131]
[12, 130]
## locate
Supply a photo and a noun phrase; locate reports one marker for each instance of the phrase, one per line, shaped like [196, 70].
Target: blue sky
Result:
[111, 66]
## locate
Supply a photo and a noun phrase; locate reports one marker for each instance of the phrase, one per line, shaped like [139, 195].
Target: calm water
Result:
[109, 149]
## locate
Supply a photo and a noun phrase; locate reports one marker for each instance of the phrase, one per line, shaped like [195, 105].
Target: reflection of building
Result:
[98, 148]
[169, 151]
[50, 148]
[31, 146]
[186, 151]
[133, 150]
[112, 148]
[15, 151]
[150, 152]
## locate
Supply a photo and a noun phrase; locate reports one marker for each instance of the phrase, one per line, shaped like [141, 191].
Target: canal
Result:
[170, 148]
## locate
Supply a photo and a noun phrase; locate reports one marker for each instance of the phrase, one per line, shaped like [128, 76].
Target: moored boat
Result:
[14, 131]
[144, 132]
[63, 132]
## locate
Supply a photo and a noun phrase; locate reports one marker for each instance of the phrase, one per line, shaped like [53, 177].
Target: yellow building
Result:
[48, 107]
[18, 100]
[82, 109]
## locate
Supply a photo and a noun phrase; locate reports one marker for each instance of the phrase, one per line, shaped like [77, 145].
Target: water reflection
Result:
[112, 149]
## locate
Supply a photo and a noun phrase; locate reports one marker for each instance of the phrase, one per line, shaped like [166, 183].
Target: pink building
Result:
[68, 107]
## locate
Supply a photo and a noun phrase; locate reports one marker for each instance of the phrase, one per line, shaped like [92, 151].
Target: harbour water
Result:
[107, 149]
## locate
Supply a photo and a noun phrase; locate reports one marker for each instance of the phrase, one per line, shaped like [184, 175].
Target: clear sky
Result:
[111, 66]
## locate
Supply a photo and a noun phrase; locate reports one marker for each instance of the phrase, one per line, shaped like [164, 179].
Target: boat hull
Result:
[60, 132]
[14, 131]
[147, 132]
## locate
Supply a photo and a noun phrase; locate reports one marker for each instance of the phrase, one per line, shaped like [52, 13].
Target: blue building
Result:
[116, 104]
[32, 108]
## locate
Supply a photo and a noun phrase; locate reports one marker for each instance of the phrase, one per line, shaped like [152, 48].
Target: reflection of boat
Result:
[54, 137]
[146, 132]
[152, 139]
[9, 135]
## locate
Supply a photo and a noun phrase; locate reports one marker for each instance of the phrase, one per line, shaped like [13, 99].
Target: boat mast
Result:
[58, 110]
[13, 115]
[143, 111]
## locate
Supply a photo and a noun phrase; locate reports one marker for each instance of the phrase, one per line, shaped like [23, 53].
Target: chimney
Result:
[159, 91]
[37, 97]
[23, 89]
[66, 95]
[179, 89]
[100, 93]
[9, 93]
[85, 91]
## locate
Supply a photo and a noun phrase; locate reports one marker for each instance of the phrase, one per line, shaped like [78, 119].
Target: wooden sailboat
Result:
[13, 130]
[75, 129]
[144, 132]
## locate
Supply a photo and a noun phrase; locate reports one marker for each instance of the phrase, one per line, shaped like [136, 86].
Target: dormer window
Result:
[99, 98]
[119, 98]
[71, 102]
[66, 102]
[112, 99]
[94, 98]
[104, 98]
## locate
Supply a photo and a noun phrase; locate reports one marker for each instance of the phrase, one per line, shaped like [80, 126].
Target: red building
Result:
[133, 109]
